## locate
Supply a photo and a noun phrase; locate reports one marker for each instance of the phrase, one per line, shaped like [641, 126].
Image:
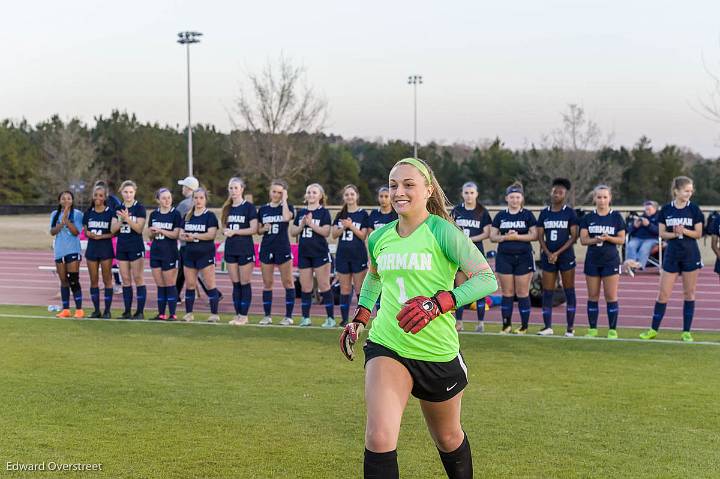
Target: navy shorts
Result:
[602, 271]
[267, 256]
[344, 266]
[432, 381]
[99, 251]
[515, 264]
[198, 262]
[240, 259]
[675, 264]
[312, 261]
[69, 258]
[130, 255]
[563, 263]
[163, 264]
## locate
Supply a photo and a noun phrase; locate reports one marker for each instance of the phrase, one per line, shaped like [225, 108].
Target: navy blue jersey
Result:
[378, 219]
[276, 238]
[99, 223]
[521, 222]
[468, 221]
[688, 216]
[128, 239]
[163, 248]
[350, 247]
[557, 226]
[239, 218]
[201, 224]
[605, 253]
[311, 244]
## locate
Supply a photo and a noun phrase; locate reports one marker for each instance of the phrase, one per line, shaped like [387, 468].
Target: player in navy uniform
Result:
[273, 220]
[384, 214]
[557, 234]
[65, 226]
[681, 225]
[514, 229]
[715, 242]
[239, 220]
[131, 249]
[165, 226]
[98, 221]
[350, 226]
[199, 232]
[475, 222]
[602, 231]
[113, 202]
[312, 224]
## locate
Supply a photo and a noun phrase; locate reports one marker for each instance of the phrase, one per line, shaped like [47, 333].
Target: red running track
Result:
[21, 282]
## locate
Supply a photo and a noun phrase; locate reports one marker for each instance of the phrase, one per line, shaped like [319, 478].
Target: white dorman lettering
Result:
[601, 229]
[405, 261]
[685, 221]
[512, 225]
[555, 224]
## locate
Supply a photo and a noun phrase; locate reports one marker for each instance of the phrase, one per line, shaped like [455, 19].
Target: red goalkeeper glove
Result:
[351, 333]
[420, 310]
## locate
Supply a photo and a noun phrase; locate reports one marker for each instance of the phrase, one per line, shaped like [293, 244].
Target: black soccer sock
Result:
[245, 299]
[480, 303]
[141, 292]
[381, 465]
[214, 297]
[74, 283]
[506, 309]
[127, 298]
[458, 463]
[108, 299]
[189, 300]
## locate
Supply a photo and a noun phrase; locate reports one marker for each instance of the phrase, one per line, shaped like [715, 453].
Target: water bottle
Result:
[53, 309]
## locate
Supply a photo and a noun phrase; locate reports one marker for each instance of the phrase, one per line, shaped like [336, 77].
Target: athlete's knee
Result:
[380, 439]
[449, 440]
[73, 280]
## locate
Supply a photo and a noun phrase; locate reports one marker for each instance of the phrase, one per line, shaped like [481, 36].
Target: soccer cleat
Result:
[520, 331]
[591, 333]
[213, 318]
[612, 334]
[687, 337]
[117, 289]
[158, 317]
[239, 320]
[107, 315]
[126, 315]
[507, 329]
[138, 316]
[306, 322]
[458, 325]
[480, 328]
[95, 314]
[65, 313]
[343, 323]
[286, 322]
[79, 314]
[265, 321]
[188, 317]
[546, 332]
[172, 317]
[329, 323]
[570, 334]
[649, 334]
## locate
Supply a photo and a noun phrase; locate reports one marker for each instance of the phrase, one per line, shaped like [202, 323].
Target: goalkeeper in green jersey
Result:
[413, 346]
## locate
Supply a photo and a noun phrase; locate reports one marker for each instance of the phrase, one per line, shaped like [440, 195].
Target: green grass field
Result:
[211, 401]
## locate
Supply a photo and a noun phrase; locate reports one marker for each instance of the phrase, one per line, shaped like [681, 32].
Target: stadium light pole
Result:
[187, 38]
[415, 80]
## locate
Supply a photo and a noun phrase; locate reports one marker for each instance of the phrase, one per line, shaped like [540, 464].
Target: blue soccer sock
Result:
[480, 309]
[547, 306]
[161, 299]
[459, 313]
[688, 313]
[613, 310]
[524, 307]
[658, 314]
[506, 310]
[245, 299]
[592, 312]
[289, 302]
[236, 293]
[329, 302]
[267, 298]
[141, 292]
[95, 298]
[345, 306]
[127, 298]
[108, 299]
[214, 297]
[65, 296]
[172, 297]
[570, 306]
[189, 300]
[305, 303]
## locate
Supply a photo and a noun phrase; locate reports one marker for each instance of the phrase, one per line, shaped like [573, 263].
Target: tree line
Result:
[38, 161]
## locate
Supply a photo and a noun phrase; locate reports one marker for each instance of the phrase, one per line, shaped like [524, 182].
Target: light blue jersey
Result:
[65, 242]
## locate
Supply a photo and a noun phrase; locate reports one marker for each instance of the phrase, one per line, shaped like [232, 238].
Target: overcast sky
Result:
[504, 69]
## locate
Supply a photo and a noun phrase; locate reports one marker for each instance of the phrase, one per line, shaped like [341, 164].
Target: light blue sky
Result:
[490, 68]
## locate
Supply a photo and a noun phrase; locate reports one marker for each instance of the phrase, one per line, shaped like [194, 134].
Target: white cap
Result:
[191, 182]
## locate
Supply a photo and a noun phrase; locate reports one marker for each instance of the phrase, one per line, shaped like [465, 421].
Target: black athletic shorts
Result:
[432, 381]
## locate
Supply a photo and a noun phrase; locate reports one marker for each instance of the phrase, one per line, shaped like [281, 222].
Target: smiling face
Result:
[602, 198]
[235, 190]
[350, 197]
[514, 200]
[99, 197]
[66, 200]
[408, 190]
[128, 194]
[558, 194]
[199, 199]
[165, 199]
[684, 193]
[313, 195]
[469, 195]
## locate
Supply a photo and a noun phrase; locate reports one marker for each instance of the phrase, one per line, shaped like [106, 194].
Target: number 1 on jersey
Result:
[402, 295]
